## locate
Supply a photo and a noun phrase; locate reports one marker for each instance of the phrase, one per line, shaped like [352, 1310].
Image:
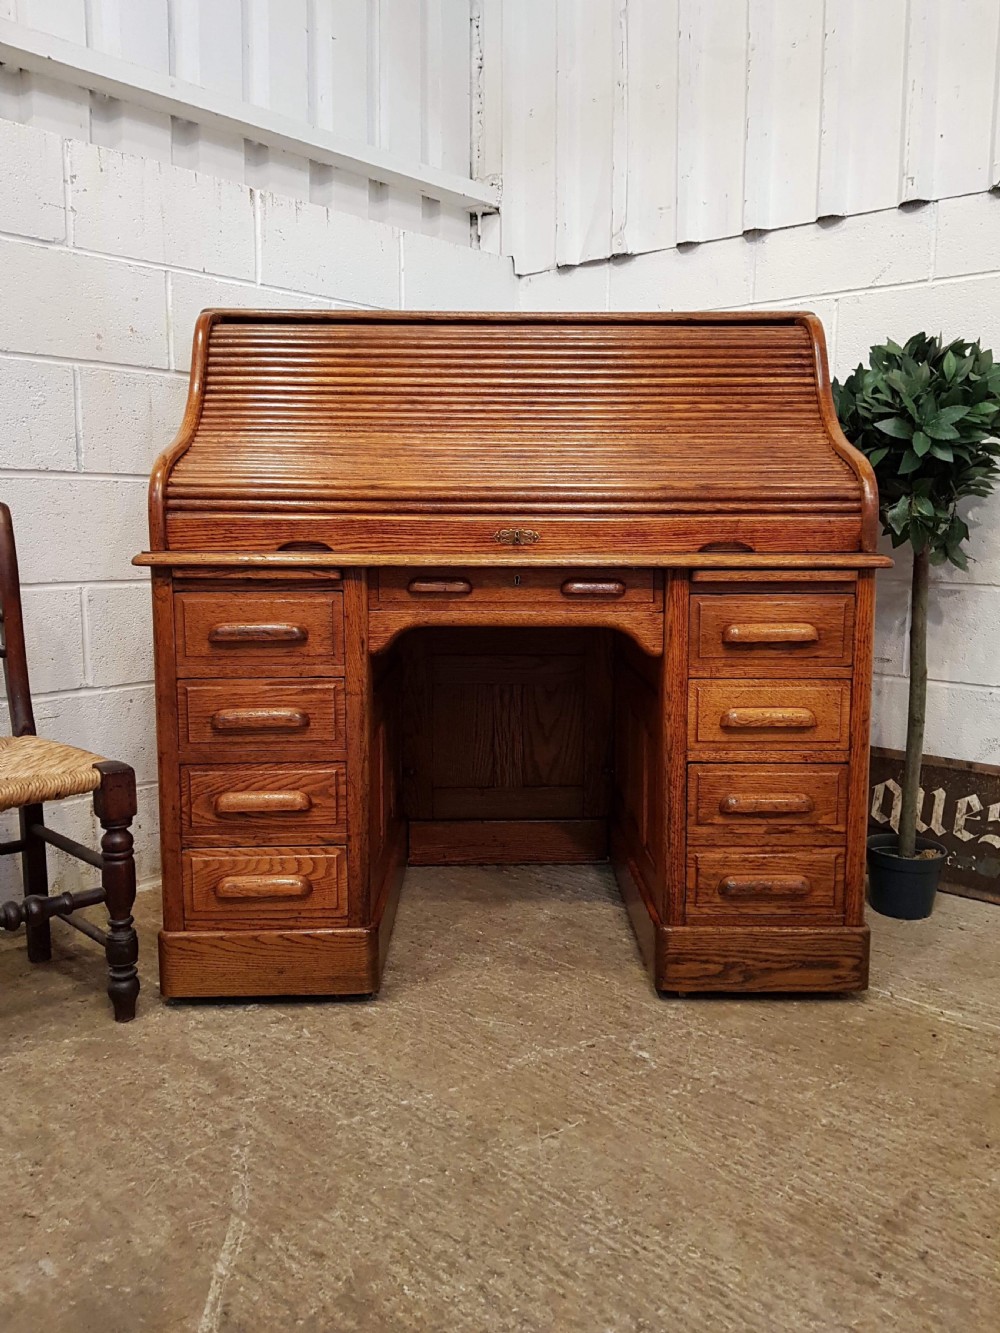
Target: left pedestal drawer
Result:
[268, 803]
[253, 886]
[261, 719]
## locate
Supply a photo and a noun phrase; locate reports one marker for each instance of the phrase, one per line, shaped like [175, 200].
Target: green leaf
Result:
[876, 456]
[958, 531]
[949, 365]
[921, 443]
[899, 515]
[896, 427]
[910, 463]
[941, 431]
[942, 451]
[949, 415]
[923, 506]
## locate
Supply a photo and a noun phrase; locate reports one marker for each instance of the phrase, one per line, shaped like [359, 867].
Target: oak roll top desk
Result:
[505, 588]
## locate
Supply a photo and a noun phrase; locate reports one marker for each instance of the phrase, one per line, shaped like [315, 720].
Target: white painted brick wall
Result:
[107, 261]
[74, 306]
[439, 276]
[33, 202]
[98, 308]
[695, 277]
[37, 415]
[307, 248]
[123, 416]
[139, 208]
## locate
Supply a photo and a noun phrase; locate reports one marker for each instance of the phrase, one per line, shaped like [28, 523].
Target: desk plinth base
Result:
[210, 964]
[745, 959]
[224, 964]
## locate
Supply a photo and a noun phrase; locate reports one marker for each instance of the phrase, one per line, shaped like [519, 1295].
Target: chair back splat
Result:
[15, 658]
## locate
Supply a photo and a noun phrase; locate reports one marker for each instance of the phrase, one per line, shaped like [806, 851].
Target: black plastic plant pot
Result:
[903, 886]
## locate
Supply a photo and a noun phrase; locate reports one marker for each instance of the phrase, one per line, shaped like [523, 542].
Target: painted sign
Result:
[959, 807]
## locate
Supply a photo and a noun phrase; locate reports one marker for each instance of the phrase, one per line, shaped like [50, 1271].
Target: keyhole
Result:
[517, 580]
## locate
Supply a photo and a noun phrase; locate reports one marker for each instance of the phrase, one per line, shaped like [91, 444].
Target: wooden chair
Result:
[32, 771]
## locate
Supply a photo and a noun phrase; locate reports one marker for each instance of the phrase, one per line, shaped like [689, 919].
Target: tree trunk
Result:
[918, 704]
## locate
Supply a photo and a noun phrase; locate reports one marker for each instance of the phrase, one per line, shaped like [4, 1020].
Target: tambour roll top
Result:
[671, 433]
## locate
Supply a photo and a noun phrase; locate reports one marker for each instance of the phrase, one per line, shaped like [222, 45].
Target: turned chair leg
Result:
[115, 807]
[35, 878]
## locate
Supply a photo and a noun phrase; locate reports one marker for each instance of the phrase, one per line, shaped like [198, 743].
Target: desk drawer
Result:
[280, 803]
[739, 802]
[257, 885]
[269, 719]
[769, 714]
[239, 632]
[526, 588]
[747, 635]
[738, 884]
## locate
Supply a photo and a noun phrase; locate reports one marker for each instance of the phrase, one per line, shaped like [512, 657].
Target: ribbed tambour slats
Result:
[633, 414]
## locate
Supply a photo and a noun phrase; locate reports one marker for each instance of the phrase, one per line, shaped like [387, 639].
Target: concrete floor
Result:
[517, 1135]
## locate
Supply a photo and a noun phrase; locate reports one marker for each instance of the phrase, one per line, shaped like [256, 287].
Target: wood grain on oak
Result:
[277, 803]
[252, 886]
[451, 588]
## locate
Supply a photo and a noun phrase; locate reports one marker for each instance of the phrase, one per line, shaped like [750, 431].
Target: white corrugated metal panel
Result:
[951, 97]
[784, 99]
[528, 49]
[390, 76]
[586, 70]
[733, 115]
[136, 31]
[864, 73]
[711, 118]
[486, 107]
[645, 161]
[208, 51]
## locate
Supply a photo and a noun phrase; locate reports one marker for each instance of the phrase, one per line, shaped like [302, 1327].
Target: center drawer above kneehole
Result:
[236, 633]
[567, 587]
[745, 634]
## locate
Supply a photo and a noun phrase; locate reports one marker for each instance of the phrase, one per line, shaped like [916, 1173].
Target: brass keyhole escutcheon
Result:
[516, 536]
[517, 580]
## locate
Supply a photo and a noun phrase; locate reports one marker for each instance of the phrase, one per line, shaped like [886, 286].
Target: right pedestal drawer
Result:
[749, 715]
[735, 883]
[745, 634]
[769, 744]
[797, 804]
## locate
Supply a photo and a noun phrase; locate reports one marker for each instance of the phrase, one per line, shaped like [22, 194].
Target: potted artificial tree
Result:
[927, 416]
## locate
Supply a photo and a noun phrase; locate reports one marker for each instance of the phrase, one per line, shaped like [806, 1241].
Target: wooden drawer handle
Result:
[263, 886]
[767, 805]
[770, 633]
[793, 719]
[779, 886]
[428, 587]
[262, 802]
[593, 588]
[229, 634]
[260, 719]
